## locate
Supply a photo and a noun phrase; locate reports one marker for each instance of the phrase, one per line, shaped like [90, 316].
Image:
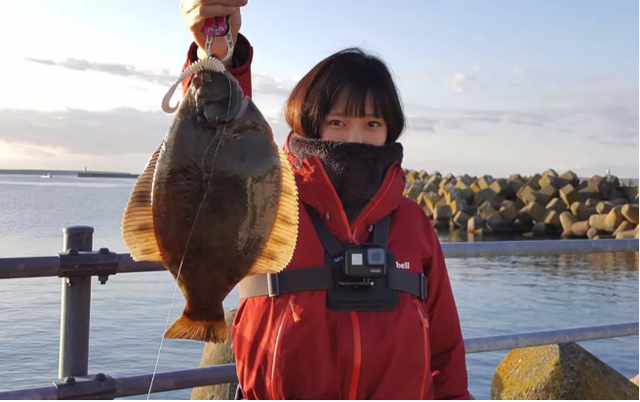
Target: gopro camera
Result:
[364, 262]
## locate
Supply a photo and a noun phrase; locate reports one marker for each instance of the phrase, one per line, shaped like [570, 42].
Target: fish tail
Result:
[215, 331]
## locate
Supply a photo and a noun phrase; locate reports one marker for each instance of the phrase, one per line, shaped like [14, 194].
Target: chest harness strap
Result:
[356, 278]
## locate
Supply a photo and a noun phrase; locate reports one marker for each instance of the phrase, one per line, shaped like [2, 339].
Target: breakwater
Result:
[546, 204]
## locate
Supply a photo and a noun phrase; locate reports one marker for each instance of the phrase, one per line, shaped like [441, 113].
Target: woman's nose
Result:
[354, 135]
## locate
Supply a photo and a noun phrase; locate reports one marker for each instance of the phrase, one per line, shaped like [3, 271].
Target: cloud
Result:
[163, 77]
[261, 83]
[459, 82]
[575, 128]
[116, 132]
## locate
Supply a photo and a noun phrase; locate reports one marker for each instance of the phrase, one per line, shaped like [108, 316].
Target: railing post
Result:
[75, 309]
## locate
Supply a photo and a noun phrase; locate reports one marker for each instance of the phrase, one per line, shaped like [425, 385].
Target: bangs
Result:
[358, 77]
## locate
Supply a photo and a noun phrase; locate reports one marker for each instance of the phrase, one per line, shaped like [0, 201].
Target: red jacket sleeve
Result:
[448, 363]
[241, 68]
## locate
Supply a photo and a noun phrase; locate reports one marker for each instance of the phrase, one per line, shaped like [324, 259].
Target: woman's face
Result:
[339, 127]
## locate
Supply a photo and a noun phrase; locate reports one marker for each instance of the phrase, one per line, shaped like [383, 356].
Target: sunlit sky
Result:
[489, 86]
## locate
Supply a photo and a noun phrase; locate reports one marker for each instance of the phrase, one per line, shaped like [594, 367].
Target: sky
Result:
[489, 87]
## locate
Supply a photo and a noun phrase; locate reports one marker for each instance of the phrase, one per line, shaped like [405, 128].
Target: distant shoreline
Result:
[77, 173]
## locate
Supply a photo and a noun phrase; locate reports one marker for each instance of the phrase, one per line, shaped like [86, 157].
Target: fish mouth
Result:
[218, 112]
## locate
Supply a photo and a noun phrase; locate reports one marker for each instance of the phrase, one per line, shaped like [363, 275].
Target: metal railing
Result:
[79, 263]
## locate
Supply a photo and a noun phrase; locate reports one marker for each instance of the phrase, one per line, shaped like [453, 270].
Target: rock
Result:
[630, 213]
[608, 186]
[442, 213]
[435, 179]
[586, 193]
[582, 184]
[461, 219]
[532, 212]
[625, 226]
[557, 205]
[410, 176]
[508, 213]
[580, 211]
[547, 193]
[464, 194]
[475, 224]
[631, 193]
[533, 182]
[500, 187]
[634, 379]
[445, 188]
[486, 209]
[458, 206]
[520, 227]
[592, 203]
[493, 221]
[541, 228]
[430, 188]
[569, 194]
[570, 177]
[564, 371]
[431, 199]
[552, 218]
[482, 195]
[214, 354]
[628, 234]
[423, 175]
[614, 218]
[580, 228]
[599, 222]
[515, 185]
[619, 201]
[604, 207]
[594, 233]
[466, 179]
[567, 220]
[527, 194]
[515, 177]
[414, 191]
[484, 182]
[506, 203]
[615, 194]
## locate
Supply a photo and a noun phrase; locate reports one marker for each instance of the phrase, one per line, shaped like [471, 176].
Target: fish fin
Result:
[281, 243]
[138, 231]
[195, 330]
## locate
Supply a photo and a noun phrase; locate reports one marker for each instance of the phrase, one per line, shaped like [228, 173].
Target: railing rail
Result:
[79, 263]
[110, 388]
[106, 262]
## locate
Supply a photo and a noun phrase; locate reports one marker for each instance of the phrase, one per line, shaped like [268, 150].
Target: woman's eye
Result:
[335, 123]
[373, 124]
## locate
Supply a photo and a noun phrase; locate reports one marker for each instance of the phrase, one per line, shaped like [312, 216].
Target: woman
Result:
[317, 339]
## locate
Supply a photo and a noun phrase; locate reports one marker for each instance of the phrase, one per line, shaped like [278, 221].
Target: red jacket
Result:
[293, 347]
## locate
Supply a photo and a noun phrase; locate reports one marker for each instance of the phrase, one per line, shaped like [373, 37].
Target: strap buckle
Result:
[273, 284]
[423, 287]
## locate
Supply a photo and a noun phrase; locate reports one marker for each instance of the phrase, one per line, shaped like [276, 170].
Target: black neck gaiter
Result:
[356, 170]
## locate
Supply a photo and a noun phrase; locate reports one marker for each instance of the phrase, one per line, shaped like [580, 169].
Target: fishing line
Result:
[214, 65]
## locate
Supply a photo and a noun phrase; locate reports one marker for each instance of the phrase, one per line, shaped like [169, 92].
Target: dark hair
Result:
[350, 70]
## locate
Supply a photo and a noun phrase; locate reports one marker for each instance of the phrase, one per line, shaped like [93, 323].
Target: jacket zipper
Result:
[355, 323]
[276, 346]
[424, 323]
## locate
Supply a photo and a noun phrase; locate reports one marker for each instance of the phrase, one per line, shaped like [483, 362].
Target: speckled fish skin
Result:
[220, 186]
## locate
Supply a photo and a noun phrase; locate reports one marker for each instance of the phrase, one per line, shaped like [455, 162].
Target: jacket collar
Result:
[315, 189]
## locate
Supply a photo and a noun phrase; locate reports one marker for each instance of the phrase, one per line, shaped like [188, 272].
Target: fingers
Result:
[187, 6]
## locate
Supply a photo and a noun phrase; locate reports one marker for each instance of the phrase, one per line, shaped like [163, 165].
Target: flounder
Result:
[216, 202]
